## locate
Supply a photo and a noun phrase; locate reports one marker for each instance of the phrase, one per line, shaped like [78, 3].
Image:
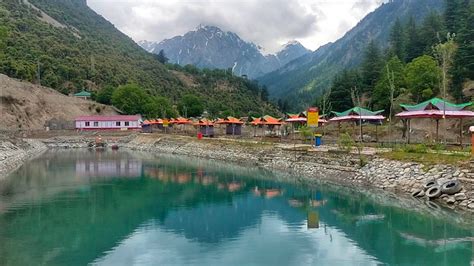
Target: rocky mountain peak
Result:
[209, 46]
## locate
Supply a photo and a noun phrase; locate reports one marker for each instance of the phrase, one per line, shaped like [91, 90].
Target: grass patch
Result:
[428, 158]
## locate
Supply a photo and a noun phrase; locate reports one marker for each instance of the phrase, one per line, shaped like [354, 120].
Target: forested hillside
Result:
[65, 45]
[301, 80]
[425, 59]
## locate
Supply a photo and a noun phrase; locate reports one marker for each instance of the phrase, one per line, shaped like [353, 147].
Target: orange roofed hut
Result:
[181, 124]
[269, 121]
[233, 125]
[206, 127]
[151, 125]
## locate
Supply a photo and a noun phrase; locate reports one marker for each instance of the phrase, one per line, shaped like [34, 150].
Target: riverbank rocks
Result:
[460, 196]
[411, 177]
[14, 152]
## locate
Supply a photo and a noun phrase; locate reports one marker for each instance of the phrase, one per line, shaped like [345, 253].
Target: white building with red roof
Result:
[108, 122]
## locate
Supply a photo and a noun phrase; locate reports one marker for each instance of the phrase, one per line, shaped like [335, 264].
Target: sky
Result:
[268, 23]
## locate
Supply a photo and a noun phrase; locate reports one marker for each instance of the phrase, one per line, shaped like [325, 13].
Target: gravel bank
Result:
[14, 152]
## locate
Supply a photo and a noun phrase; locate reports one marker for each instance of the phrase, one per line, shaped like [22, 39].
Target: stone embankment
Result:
[410, 178]
[14, 152]
[337, 167]
[342, 168]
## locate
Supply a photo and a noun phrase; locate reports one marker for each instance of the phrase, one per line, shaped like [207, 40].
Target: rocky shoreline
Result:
[337, 167]
[14, 152]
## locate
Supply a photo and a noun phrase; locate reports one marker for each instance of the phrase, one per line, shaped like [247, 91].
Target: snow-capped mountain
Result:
[290, 51]
[147, 45]
[210, 47]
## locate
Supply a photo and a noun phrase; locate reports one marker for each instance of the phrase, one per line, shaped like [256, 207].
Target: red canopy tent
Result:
[436, 109]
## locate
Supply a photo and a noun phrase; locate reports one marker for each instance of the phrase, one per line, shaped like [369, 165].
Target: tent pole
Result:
[437, 129]
[354, 129]
[409, 129]
[460, 132]
[376, 133]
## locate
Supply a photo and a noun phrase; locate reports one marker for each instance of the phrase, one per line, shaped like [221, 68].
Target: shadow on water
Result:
[78, 207]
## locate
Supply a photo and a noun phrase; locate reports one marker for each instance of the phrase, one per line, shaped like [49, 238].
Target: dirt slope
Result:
[24, 105]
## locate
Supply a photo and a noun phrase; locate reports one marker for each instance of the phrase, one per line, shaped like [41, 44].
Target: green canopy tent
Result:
[358, 114]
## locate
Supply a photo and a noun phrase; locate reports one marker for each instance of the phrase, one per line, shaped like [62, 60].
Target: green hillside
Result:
[65, 45]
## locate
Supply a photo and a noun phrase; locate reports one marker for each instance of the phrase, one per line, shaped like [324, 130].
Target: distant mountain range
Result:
[210, 47]
[305, 77]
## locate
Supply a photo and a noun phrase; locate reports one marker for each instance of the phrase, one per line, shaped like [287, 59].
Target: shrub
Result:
[345, 142]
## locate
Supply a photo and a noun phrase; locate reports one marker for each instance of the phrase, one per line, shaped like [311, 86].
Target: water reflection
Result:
[119, 208]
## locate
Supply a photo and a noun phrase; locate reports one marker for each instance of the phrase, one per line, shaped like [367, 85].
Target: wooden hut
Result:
[180, 124]
[268, 122]
[205, 127]
[233, 126]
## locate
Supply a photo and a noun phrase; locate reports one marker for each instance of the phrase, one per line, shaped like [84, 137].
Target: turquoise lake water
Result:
[119, 208]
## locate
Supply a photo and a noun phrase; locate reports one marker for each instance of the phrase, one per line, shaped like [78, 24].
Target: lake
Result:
[78, 207]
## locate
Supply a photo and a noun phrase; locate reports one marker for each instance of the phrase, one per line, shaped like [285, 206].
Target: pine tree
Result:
[394, 69]
[452, 14]
[371, 66]
[398, 40]
[340, 96]
[463, 66]
[414, 46]
[162, 57]
[432, 32]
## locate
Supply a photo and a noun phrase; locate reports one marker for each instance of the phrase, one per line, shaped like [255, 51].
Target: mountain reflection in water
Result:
[120, 208]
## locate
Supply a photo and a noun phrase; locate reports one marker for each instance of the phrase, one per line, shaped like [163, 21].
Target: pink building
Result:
[119, 122]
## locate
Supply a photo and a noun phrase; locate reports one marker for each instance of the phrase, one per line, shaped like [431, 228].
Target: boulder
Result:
[450, 200]
[460, 196]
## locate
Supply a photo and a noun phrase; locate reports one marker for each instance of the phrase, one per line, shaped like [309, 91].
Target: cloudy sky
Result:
[269, 23]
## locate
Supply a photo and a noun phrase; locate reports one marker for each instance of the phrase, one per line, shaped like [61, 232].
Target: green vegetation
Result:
[131, 99]
[428, 157]
[89, 53]
[345, 142]
[423, 77]
[190, 105]
[104, 95]
[306, 133]
[426, 59]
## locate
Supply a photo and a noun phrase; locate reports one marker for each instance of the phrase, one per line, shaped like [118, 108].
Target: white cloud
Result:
[269, 23]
